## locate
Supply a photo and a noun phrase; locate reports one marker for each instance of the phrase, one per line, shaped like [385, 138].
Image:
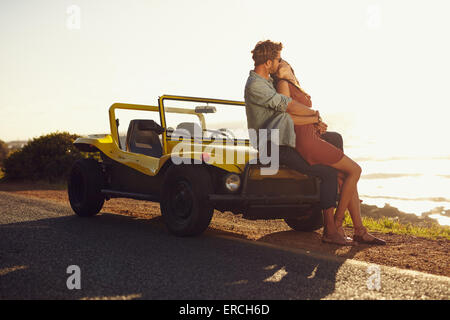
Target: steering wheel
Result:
[221, 133]
[228, 132]
[216, 133]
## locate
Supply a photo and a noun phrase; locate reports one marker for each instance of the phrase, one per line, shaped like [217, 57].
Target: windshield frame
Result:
[162, 110]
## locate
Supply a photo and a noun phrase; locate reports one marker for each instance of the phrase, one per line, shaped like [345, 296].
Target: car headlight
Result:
[232, 182]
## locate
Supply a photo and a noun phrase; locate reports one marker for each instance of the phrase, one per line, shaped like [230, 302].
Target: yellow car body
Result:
[109, 145]
[133, 175]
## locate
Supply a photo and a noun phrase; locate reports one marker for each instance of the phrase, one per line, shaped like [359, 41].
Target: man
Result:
[267, 109]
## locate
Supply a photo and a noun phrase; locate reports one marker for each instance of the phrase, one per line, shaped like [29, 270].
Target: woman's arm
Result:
[295, 107]
[298, 109]
[302, 120]
[283, 88]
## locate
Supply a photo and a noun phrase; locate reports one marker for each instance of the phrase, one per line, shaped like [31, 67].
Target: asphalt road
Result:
[126, 258]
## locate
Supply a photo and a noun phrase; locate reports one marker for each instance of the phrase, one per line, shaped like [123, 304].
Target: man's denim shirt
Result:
[266, 109]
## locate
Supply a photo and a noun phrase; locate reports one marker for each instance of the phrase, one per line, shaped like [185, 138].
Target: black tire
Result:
[185, 208]
[308, 221]
[84, 188]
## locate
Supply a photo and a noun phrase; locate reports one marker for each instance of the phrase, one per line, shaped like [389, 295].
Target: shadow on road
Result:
[311, 241]
[121, 256]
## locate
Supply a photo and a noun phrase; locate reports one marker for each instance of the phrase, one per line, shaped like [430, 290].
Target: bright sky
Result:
[375, 69]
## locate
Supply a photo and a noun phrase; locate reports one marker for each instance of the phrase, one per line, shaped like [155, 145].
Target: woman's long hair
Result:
[285, 72]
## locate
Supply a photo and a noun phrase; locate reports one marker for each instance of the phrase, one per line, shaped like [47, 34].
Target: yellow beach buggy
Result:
[192, 155]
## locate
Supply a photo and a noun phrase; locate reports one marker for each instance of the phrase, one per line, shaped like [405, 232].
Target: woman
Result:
[315, 150]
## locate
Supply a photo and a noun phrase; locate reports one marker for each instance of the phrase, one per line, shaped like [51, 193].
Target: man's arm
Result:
[260, 94]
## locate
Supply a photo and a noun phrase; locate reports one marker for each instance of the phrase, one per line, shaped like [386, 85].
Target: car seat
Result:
[143, 138]
[192, 128]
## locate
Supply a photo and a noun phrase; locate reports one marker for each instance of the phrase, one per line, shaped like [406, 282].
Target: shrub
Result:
[47, 157]
[3, 152]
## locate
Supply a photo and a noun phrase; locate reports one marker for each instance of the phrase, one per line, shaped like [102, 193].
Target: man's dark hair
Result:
[266, 50]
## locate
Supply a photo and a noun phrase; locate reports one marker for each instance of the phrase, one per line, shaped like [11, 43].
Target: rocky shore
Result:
[393, 213]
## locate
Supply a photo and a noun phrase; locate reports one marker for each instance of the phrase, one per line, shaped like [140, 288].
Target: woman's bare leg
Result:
[352, 171]
[354, 207]
[328, 222]
[341, 179]
[330, 232]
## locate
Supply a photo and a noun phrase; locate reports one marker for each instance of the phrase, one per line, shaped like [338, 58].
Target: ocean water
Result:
[411, 185]
[405, 160]
[412, 182]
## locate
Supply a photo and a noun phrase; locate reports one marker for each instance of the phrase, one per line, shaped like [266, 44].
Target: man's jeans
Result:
[328, 175]
[334, 138]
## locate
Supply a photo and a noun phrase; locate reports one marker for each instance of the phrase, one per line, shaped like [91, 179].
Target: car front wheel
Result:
[84, 188]
[184, 200]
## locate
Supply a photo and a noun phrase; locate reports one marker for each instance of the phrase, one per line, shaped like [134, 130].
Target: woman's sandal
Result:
[338, 239]
[362, 238]
[341, 231]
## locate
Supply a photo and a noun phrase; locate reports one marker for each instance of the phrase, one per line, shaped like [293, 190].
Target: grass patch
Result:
[389, 225]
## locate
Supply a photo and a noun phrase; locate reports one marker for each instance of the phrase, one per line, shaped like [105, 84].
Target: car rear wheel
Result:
[185, 207]
[84, 188]
[310, 220]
